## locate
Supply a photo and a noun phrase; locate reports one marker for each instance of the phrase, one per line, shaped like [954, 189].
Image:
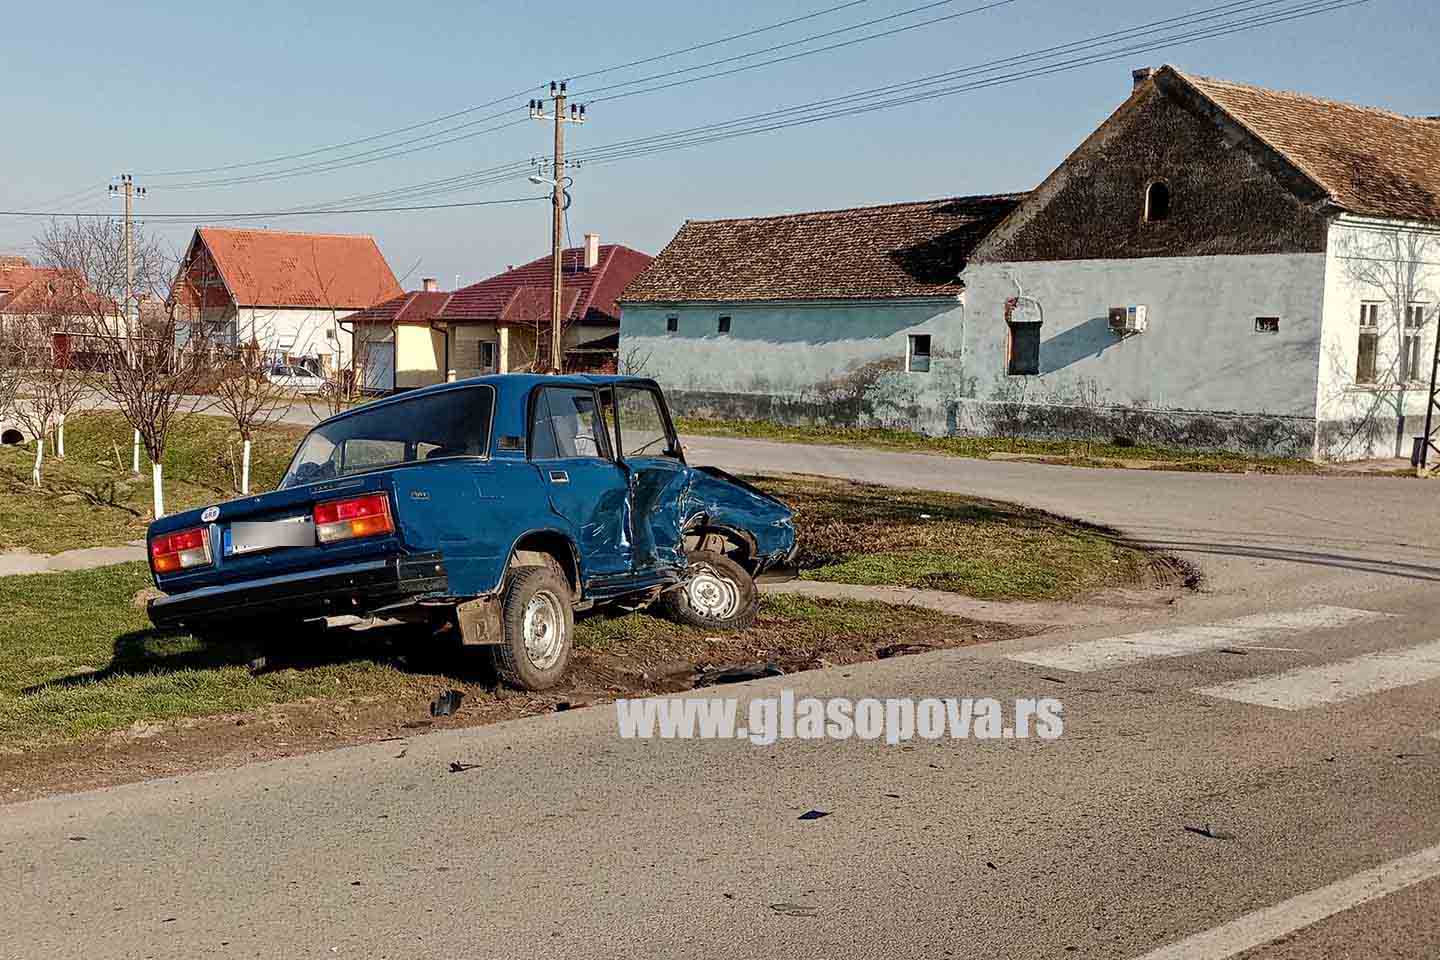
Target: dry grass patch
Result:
[868, 534]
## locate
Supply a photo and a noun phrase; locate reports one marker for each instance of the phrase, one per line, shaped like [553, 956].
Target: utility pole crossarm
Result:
[557, 201]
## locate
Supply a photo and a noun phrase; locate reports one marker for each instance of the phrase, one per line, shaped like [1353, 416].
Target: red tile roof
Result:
[894, 250]
[514, 296]
[417, 307]
[1370, 161]
[27, 289]
[273, 268]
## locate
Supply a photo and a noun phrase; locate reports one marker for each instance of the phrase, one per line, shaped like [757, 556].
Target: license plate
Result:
[253, 536]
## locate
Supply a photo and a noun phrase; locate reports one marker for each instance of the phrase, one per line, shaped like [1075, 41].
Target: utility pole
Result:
[559, 200]
[1432, 403]
[127, 188]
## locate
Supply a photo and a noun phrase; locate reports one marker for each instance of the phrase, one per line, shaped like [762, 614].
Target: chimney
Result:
[430, 285]
[1140, 76]
[592, 251]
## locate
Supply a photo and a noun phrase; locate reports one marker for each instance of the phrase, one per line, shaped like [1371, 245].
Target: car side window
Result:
[565, 423]
[642, 423]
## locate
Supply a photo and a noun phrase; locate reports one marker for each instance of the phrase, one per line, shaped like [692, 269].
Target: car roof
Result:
[523, 382]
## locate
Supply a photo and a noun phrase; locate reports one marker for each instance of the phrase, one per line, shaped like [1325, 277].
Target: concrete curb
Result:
[17, 564]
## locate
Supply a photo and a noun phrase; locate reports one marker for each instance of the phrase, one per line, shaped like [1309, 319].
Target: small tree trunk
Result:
[245, 470]
[39, 458]
[157, 480]
[60, 438]
[135, 456]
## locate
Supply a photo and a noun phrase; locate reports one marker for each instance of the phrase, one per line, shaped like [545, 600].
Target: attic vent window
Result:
[1157, 202]
[1267, 324]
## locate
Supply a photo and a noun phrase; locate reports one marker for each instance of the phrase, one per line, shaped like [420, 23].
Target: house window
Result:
[485, 354]
[917, 355]
[672, 324]
[1157, 202]
[1024, 350]
[724, 325]
[1267, 324]
[1369, 342]
[1410, 355]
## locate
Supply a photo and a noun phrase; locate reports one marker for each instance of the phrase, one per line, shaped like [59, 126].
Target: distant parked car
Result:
[492, 509]
[297, 378]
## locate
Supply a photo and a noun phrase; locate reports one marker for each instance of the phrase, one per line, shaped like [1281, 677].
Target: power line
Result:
[795, 43]
[222, 168]
[714, 43]
[428, 141]
[168, 217]
[856, 101]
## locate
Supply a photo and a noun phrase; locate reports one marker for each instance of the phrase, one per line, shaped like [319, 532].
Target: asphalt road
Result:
[1289, 716]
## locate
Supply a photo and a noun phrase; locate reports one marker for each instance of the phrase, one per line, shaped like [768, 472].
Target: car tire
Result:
[537, 621]
[719, 594]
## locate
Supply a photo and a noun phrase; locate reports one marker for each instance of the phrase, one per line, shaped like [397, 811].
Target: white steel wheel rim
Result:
[712, 596]
[544, 630]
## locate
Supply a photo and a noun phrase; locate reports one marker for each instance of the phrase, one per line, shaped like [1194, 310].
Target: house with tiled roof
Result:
[502, 324]
[837, 316]
[1217, 265]
[292, 292]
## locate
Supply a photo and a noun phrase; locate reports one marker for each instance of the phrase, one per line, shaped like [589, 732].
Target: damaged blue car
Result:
[491, 509]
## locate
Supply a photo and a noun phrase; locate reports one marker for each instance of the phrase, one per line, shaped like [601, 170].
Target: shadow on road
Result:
[1391, 568]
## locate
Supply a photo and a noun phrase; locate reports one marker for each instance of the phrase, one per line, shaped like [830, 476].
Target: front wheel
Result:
[718, 594]
[539, 625]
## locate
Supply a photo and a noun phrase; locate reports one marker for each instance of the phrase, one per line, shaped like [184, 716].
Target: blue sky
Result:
[177, 85]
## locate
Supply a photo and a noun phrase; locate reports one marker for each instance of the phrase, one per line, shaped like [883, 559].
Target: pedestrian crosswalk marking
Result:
[1086, 656]
[1336, 682]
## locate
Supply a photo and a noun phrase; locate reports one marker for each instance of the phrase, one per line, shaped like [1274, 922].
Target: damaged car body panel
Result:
[424, 505]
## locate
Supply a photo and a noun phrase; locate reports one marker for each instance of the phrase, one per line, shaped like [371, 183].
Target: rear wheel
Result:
[718, 594]
[538, 623]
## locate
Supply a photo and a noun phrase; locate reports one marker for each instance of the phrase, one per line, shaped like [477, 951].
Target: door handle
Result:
[559, 476]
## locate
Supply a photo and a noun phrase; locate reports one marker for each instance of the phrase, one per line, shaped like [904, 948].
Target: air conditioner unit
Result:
[1127, 320]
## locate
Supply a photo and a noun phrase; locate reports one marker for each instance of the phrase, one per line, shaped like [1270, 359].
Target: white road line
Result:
[1336, 682]
[1085, 656]
[1271, 923]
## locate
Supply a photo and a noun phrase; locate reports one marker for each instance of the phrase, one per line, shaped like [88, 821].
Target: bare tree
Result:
[36, 409]
[151, 345]
[11, 368]
[634, 360]
[345, 378]
[1394, 269]
[247, 395]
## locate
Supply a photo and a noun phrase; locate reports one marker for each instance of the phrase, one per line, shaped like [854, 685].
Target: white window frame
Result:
[911, 354]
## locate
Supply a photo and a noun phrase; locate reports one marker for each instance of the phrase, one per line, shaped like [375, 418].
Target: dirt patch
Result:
[628, 656]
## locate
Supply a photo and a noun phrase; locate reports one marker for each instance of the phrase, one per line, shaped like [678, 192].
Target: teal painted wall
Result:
[835, 362]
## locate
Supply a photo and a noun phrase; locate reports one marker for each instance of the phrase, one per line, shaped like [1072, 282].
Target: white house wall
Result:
[299, 332]
[1393, 264]
[1200, 375]
[835, 362]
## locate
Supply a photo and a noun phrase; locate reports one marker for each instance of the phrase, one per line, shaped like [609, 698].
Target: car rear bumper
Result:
[353, 588]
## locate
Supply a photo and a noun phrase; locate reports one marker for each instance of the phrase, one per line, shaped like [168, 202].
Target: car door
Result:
[587, 488]
[658, 474]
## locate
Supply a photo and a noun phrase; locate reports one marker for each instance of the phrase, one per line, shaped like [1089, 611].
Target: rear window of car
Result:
[453, 423]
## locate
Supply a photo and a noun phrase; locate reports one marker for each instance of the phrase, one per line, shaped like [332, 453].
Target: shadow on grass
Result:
[409, 649]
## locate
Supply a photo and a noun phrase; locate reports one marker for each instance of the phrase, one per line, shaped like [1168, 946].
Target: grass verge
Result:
[867, 534]
[78, 660]
[90, 500]
[1070, 452]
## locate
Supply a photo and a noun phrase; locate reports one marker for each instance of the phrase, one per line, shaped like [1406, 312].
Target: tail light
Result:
[181, 551]
[365, 516]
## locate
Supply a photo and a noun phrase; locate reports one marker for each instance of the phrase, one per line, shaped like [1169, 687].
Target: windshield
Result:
[455, 423]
